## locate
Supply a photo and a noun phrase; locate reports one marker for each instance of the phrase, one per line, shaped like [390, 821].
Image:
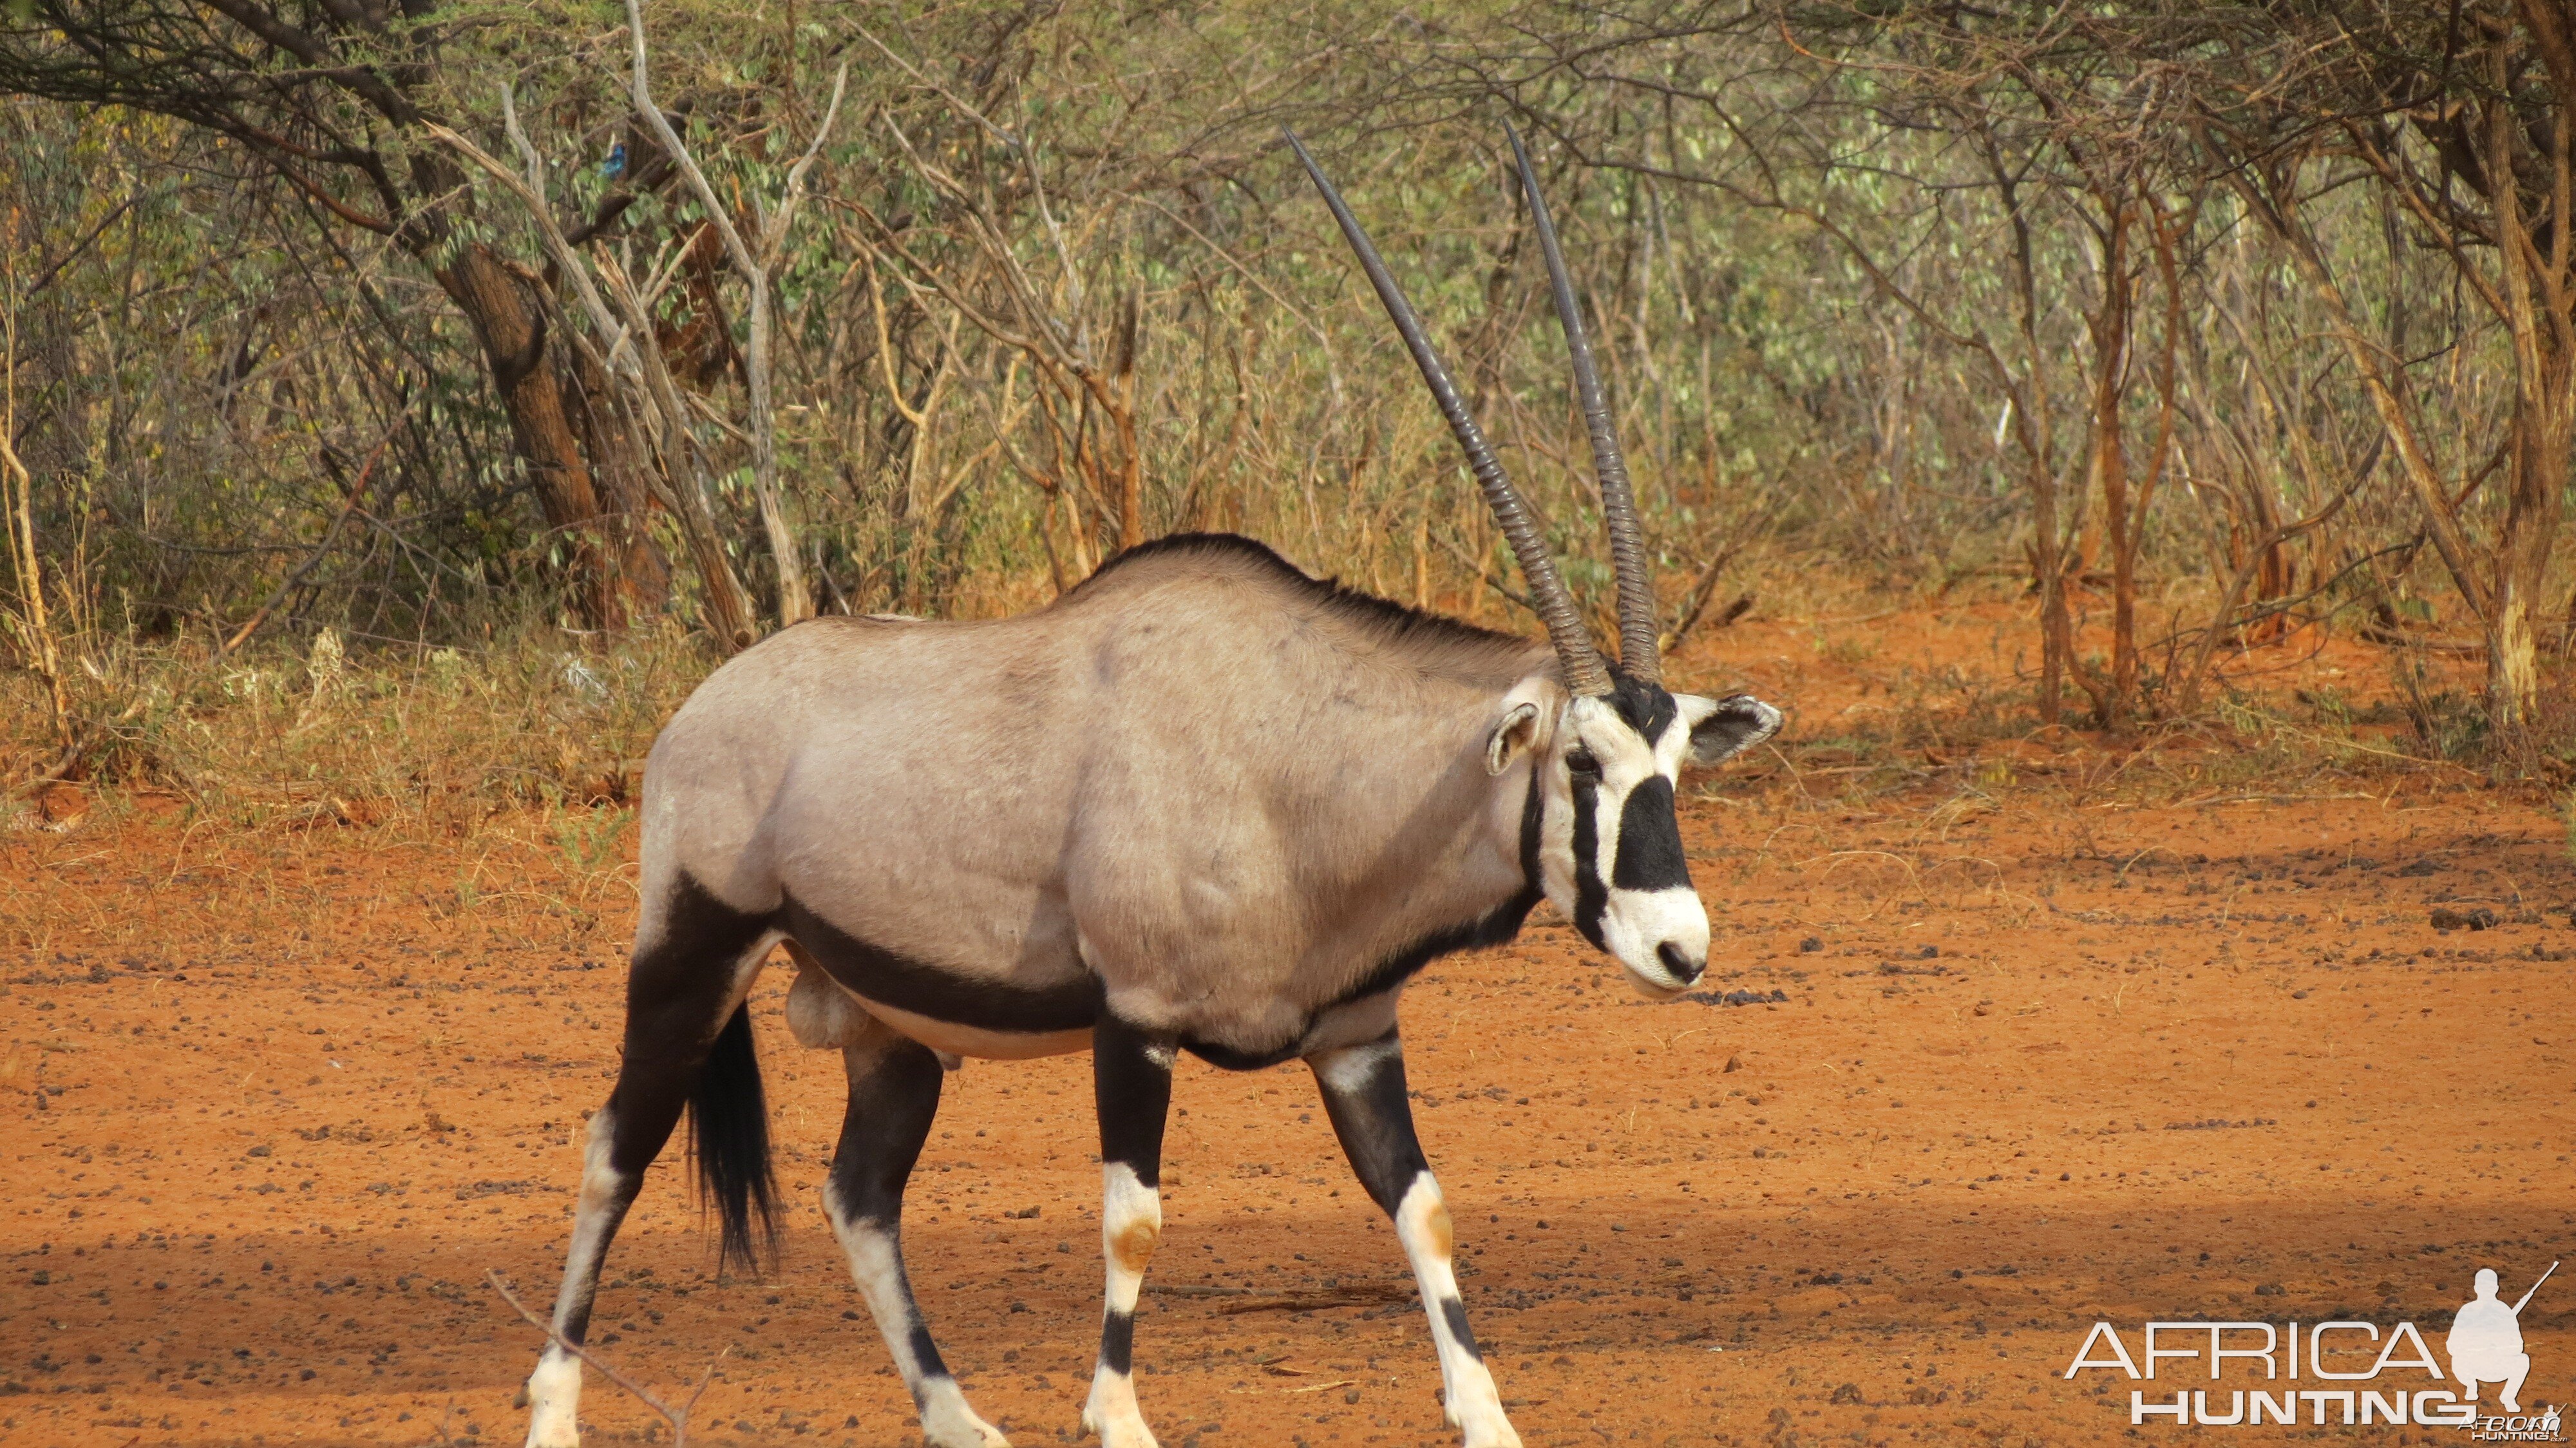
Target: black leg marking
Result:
[894, 1096]
[1131, 1081]
[1454, 1312]
[925, 1353]
[1364, 1094]
[678, 991]
[1131, 1077]
[1118, 1341]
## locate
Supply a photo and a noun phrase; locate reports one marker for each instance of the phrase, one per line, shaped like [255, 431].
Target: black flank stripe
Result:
[1650, 840]
[1071, 1004]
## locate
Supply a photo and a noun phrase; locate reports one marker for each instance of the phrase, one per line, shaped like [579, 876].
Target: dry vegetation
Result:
[2211, 331]
[2131, 442]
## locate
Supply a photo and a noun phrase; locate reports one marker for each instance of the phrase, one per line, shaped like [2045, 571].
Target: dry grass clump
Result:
[312, 730]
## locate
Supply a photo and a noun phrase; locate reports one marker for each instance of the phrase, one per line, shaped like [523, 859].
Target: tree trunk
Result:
[2048, 560]
[2522, 554]
[795, 594]
[643, 575]
[513, 333]
[2110, 330]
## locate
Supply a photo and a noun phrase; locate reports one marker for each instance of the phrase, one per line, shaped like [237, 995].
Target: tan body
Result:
[1226, 794]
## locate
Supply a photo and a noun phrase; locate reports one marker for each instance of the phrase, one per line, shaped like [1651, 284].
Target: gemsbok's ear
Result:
[1516, 731]
[1723, 728]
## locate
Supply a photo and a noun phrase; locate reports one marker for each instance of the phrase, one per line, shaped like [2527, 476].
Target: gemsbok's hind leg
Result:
[1363, 1090]
[693, 960]
[894, 1093]
[1131, 1079]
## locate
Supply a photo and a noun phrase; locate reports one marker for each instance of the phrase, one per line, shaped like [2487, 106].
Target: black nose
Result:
[1683, 968]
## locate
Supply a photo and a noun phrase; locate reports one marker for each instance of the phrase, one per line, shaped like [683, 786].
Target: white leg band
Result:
[1468, 1395]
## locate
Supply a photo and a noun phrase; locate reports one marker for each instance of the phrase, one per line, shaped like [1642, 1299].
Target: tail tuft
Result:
[729, 1137]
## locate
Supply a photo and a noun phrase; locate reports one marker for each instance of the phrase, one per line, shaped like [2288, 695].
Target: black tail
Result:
[729, 1136]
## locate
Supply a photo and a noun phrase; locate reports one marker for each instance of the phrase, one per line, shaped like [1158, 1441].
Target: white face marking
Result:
[1634, 925]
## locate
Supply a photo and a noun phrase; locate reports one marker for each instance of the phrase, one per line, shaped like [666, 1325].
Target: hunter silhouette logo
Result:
[2484, 1348]
[2486, 1342]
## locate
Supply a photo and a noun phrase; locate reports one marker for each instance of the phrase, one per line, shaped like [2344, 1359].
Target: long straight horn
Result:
[1584, 671]
[1640, 631]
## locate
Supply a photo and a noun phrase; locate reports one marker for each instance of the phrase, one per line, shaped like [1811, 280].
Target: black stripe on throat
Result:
[1591, 897]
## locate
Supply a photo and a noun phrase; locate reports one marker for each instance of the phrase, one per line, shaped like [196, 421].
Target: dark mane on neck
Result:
[1382, 619]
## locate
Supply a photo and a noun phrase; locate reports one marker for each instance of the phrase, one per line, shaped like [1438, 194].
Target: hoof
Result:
[973, 1432]
[1129, 1432]
[554, 1390]
[948, 1423]
[1476, 1410]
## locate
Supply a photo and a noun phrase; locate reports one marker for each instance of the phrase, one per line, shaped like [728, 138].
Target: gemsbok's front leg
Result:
[1132, 1080]
[894, 1094]
[1363, 1090]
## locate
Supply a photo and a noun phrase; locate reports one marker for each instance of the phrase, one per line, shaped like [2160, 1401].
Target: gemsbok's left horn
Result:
[1640, 629]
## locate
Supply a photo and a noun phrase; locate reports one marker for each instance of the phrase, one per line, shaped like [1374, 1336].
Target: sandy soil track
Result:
[275, 1104]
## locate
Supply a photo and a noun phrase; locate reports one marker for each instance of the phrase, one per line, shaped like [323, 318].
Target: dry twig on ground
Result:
[677, 1417]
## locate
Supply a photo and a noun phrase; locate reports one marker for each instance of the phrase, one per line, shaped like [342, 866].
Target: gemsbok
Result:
[1203, 803]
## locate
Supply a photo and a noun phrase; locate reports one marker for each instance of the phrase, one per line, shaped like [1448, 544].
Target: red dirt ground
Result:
[276, 1102]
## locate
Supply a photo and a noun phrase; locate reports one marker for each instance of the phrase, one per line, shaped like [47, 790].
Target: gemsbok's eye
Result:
[1582, 765]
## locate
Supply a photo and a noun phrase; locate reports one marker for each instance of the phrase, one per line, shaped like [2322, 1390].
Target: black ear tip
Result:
[1737, 723]
[1749, 709]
